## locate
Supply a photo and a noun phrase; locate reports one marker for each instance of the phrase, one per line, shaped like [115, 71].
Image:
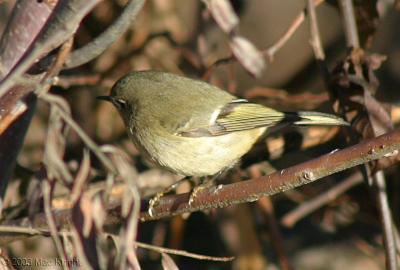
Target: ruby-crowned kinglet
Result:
[193, 128]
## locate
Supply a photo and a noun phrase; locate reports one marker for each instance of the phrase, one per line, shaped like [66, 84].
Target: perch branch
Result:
[383, 146]
[301, 174]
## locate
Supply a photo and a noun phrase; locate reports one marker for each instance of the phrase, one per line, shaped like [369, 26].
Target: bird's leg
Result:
[205, 182]
[156, 199]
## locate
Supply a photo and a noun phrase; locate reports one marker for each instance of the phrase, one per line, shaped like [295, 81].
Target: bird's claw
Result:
[153, 203]
[195, 192]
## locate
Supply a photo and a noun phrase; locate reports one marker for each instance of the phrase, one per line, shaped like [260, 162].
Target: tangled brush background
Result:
[74, 186]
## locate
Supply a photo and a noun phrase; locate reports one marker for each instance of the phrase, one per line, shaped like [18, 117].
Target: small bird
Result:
[193, 128]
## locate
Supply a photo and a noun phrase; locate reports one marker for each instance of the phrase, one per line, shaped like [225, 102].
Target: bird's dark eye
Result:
[120, 103]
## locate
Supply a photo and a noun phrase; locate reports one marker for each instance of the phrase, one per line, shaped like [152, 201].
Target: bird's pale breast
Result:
[198, 156]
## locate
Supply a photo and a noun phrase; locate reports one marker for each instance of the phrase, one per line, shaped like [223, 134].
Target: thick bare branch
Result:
[11, 141]
[26, 21]
[280, 181]
[66, 18]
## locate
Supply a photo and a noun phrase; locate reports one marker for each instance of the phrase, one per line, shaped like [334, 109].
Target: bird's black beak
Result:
[106, 98]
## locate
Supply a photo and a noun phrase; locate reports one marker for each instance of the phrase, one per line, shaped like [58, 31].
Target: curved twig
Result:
[102, 42]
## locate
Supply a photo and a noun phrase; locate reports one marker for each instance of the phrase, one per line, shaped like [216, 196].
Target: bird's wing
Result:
[236, 116]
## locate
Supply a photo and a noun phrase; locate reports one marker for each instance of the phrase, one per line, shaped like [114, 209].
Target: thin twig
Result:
[54, 100]
[277, 240]
[51, 222]
[23, 230]
[183, 253]
[102, 42]
[315, 40]
[303, 99]
[271, 51]
[26, 231]
[55, 67]
[396, 239]
[81, 178]
[350, 25]
[310, 206]
[276, 235]
[76, 80]
[127, 251]
[375, 123]
[386, 219]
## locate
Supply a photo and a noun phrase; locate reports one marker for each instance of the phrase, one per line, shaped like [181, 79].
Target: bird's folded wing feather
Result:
[245, 116]
[238, 115]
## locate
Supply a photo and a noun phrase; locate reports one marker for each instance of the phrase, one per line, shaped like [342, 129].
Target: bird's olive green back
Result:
[177, 105]
[174, 102]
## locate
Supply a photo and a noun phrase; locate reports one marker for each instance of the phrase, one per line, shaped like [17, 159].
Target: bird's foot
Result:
[195, 192]
[154, 202]
[207, 183]
[156, 199]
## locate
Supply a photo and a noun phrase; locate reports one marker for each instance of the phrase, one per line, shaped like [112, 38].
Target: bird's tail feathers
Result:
[314, 118]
